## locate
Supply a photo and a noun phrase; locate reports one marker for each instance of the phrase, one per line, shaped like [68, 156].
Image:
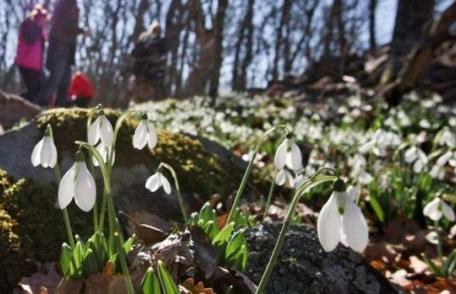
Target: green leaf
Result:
[210, 228]
[373, 201]
[224, 235]
[235, 244]
[66, 260]
[207, 213]
[150, 283]
[78, 255]
[89, 263]
[128, 245]
[166, 281]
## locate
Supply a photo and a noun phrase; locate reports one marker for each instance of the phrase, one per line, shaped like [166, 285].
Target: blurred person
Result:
[30, 52]
[149, 61]
[81, 91]
[61, 52]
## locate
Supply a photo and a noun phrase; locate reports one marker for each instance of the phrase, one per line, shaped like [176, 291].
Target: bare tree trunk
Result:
[372, 24]
[204, 77]
[284, 18]
[411, 19]
[139, 19]
[421, 56]
[240, 64]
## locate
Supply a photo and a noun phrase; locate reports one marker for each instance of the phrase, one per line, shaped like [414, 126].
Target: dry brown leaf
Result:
[197, 288]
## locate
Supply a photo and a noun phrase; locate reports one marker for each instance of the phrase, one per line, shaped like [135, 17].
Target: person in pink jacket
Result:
[30, 52]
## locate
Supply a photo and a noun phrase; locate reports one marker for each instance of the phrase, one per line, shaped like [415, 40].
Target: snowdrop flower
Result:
[438, 170]
[145, 133]
[79, 184]
[283, 177]
[446, 137]
[104, 152]
[438, 208]
[157, 180]
[100, 129]
[380, 142]
[288, 154]
[358, 163]
[45, 153]
[341, 220]
[417, 157]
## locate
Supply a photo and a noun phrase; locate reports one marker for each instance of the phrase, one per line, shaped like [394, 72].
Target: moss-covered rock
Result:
[198, 171]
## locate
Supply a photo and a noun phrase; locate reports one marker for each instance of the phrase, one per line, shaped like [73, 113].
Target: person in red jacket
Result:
[81, 90]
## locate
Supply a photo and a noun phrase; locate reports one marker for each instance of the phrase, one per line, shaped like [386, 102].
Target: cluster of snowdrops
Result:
[340, 220]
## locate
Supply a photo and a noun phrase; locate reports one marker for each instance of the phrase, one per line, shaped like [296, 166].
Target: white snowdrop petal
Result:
[410, 155]
[443, 160]
[53, 154]
[106, 131]
[85, 192]
[46, 152]
[281, 178]
[294, 158]
[140, 135]
[66, 188]
[329, 225]
[165, 183]
[153, 183]
[152, 137]
[432, 211]
[280, 157]
[447, 211]
[36, 153]
[355, 227]
[93, 133]
[366, 147]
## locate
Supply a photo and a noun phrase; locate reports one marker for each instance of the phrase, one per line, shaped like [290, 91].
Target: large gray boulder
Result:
[304, 267]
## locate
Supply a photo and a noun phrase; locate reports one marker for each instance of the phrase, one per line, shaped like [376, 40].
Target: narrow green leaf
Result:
[224, 235]
[150, 283]
[66, 260]
[166, 281]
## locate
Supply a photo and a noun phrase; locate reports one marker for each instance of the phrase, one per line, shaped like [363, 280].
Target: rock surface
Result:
[13, 108]
[304, 267]
[201, 172]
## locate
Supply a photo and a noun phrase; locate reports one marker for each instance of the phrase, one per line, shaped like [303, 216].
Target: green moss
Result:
[39, 223]
[199, 172]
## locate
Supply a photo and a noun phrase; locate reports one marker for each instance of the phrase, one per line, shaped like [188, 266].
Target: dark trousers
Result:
[33, 81]
[59, 63]
[82, 102]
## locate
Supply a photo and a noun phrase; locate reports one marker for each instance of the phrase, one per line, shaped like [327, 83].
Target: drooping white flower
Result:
[157, 180]
[284, 177]
[104, 152]
[432, 237]
[100, 129]
[438, 208]
[416, 156]
[288, 154]
[438, 170]
[446, 137]
[380, 142]
[358, 163]
[45, 153]
[145, 133]
[79, 184]
[341, 220]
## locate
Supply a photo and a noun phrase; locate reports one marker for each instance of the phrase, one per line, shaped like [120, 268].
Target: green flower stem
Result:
[439, 243]
[107, 195]
[66, 217]
[95, 207]
[269, 199]
[240, 191]
[178, 192]
[314, 181]
[123, 264]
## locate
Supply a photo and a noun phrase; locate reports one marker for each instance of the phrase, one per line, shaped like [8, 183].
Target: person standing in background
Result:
[61, 52]
[30, 52]
[81, 90]
[149, 61]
